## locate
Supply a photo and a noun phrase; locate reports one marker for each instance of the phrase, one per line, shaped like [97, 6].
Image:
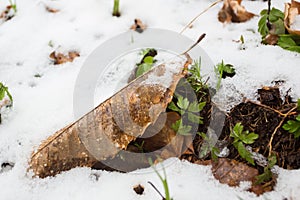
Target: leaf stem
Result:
[116, 8]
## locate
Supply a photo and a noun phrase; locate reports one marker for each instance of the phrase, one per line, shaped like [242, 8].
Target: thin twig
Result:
[194, 19]
[156, 190]
[197, 42]
[276, 129]
[268, 107]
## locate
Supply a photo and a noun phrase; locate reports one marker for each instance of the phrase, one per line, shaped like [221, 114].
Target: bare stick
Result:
[276, 129]
[195, 18]
[156, 190]
[198, 41]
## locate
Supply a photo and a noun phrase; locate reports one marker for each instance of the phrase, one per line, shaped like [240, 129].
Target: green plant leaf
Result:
[264, 177]
[293, 127]
[143, 68]
[244, 153]
[250, 138]
[173, 107]
[277, 13]
[262, 26]
[182, 103]
[263, 12]
[214, 153]
[278, 27]
[180, 128]
[193, 107]
[298, 104]
[196, 107]
[2, 93]
[195, 118]
[272, 160]
[238, 129]
[148, 59]
[175, 126]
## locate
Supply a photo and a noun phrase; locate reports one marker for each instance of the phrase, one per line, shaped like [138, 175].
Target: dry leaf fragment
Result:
[102, 133]
[233, 11]
[232, 172]
[8, 13]
[291, 11]
[60, 58]
[138, 26]
[52, 10]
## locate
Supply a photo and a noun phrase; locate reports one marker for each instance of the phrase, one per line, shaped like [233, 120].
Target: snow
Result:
[44, 105]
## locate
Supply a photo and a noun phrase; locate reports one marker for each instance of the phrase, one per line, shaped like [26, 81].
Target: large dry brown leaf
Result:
[233, 11]
[111, 126]
[232, 173]
[291, 10]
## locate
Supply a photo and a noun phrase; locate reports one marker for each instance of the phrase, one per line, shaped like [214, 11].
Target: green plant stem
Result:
[13, 5]
[116, 8]
[268, 18]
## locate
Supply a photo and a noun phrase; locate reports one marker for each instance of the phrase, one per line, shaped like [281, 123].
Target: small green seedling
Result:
[144, 67]
[293, 126]
[242, 39]
[140, 146]
[267, 175]
[272, 24]
[195, 78]
[4, 91]
[208, 146]
[241, 138]
[180, 128]
[147, 61]
[116, 11]
[276, 18]
[223, 71]
[183, 106]
[163, 180]
[13, 5]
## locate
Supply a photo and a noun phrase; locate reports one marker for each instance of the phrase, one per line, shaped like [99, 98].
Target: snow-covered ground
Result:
[44, 104]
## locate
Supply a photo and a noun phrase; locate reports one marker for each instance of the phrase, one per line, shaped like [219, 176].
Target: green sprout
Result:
[163, 180]
[147, 61]
[267, 175]
[241, 138]
[13, 6]
[222, 71]
[272, 24]
[116, 11]
[293, 126]
[208, 146]
[183, 106]
[195, 78]
[4, 91]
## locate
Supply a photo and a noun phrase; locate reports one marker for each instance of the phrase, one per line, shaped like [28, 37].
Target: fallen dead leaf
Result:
[291, 10]
[101, 134]
[233, 11]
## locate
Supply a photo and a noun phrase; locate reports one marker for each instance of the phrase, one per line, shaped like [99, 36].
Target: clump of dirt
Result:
[266, 119]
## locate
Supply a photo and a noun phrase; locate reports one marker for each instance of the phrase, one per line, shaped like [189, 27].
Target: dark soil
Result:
[266, 119]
